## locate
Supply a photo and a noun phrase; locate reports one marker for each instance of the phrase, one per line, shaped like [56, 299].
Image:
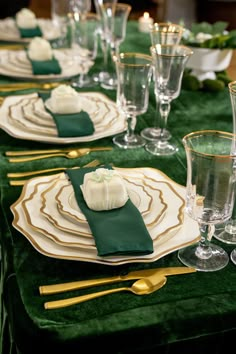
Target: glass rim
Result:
[153, 27]
[198, 133]
[130, 55]
[189, 51]
[232, 87]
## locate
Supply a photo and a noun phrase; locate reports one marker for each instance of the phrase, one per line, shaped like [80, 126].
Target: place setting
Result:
[63, 220]
[25, 25]
[61, 116]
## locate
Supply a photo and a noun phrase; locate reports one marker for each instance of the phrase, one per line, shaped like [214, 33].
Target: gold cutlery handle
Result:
[32, 173]
[54, 151]
[81, 284]
[78, 299]
[33, 158]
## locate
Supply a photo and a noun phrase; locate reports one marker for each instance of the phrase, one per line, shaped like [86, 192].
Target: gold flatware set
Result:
[149, 280]
[44, 154]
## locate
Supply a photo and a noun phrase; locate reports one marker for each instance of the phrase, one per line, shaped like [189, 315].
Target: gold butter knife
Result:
[82, 284]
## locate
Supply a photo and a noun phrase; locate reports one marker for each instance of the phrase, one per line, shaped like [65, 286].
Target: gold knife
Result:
[82, 284]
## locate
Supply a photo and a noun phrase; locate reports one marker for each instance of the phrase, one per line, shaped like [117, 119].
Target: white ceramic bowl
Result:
[204, 62]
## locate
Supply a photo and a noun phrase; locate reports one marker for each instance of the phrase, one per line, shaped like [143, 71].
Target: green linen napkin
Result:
[45, 67]
[71, 125]
[30, 32]
[117, 232]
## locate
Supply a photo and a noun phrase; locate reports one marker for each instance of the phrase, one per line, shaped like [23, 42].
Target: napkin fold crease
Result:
[117, 232]
[71, 125]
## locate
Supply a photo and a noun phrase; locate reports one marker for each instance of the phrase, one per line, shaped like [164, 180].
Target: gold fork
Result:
[21, 182]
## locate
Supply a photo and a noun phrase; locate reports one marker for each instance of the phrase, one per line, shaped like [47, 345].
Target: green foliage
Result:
[213, 85]
[221, 38]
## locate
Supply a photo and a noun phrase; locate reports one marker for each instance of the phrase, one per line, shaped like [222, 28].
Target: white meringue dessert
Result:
[64, 100]
[104, 189]
[25, 18]
[40, 49]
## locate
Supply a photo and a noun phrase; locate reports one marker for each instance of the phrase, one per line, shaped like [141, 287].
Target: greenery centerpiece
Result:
[213, 46]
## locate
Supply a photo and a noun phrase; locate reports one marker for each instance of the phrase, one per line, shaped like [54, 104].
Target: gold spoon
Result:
[142, 286]
[73, 154]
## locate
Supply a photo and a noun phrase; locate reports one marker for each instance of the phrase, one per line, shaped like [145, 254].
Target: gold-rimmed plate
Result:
[15, 64]
[15, 118]
[10, 33]
[61, 230]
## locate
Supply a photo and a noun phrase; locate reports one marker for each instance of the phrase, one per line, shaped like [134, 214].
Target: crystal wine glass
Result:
[85, 44]
[210, 194]
[114, 19]
[169, 62]
[227, 232]
[101, 75]
[162, 33]
[134, 72]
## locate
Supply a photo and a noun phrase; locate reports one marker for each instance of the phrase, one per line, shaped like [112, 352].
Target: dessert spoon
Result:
[142, 286]
[73, 154]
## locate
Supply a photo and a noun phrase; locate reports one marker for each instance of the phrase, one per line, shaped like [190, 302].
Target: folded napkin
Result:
[30, 32]
[116, 232]
[71, 125]
[45, 67]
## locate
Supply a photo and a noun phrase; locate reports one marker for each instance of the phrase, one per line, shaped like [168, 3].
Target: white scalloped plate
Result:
[187, 234]
[103, 111]
[10, 33]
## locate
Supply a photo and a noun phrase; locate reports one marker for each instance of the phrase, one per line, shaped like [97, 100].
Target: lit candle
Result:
[145, 22]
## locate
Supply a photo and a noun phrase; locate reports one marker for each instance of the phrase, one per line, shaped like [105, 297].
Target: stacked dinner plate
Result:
[15, 64]
[48, 215]
[25, 117]
[10, 33]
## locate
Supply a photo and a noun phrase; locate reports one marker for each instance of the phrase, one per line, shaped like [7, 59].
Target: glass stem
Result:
[164, 109]
[104, 46]
[204, 250]
[131, 123]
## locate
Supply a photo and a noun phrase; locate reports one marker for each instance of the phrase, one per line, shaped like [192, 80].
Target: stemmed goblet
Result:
[114, 17]
[85, 44]
[100, 76]
[227, 232]
[134, 72]
[162, 33]
[169, 62]
[210, 194]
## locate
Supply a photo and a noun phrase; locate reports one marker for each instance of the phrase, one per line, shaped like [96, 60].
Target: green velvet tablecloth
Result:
[192, 313]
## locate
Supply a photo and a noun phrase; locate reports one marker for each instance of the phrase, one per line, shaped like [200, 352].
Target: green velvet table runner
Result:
[71, 125]
[195, 310]
[120, 231]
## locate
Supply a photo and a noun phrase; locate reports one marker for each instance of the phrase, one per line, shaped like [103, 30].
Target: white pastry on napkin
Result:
[104, 189]
[40, 49]
[25, 18]
[64, 99]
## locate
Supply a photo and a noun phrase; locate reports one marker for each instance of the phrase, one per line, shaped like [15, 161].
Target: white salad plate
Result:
[10, 33]
[172, 230]
[15, 64]
[25, 117]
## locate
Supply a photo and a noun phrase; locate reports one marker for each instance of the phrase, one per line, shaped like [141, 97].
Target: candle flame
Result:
[146, 15]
